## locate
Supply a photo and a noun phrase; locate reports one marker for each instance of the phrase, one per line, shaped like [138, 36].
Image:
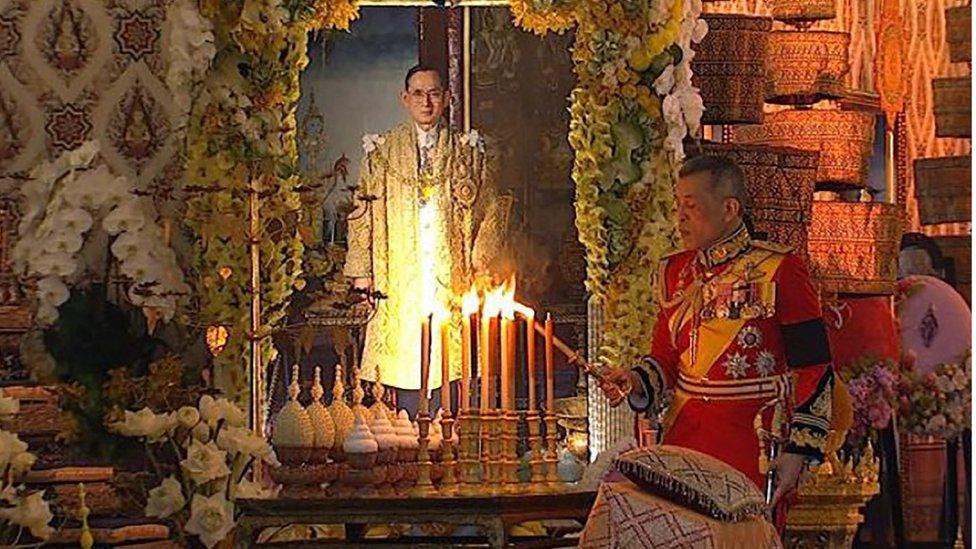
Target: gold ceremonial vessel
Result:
[854, 246]
[843, 138]
[802, 12]
[952, 98]
[730, 67]
[806, 66]
[781, 188]
[943, 188]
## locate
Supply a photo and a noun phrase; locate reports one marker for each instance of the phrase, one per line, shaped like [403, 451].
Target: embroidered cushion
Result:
[693, 479]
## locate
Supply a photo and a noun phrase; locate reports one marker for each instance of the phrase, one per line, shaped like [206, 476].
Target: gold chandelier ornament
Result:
[806, 66]
[730, 67]
[844, 140]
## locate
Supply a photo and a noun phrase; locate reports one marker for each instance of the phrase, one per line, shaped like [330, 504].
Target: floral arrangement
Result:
[873, 385]
[938, 403]
[633, 106]
[20, 509]
[202, 454]
[63, 199]
[191, 50]
[242, 157]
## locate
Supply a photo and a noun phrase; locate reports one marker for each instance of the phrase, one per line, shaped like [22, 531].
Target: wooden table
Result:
[493, 514]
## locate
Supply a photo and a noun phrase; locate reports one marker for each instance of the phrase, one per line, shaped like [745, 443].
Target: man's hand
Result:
[788, 468]
[362, 289]
[617, 383]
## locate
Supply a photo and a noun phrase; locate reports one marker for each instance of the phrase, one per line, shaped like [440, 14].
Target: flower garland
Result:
[543, 16]
[62, 199]
[212, 450]
[631, 109]
[873, 385]
[190, 53]
[938, 403]
[242, 153]
[20, 509]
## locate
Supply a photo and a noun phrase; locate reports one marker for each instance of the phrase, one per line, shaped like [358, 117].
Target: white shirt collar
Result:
[426, 138]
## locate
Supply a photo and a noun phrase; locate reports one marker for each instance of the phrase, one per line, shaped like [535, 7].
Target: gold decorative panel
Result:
[959, 33]
[952, 98]
[806, 66]
[943, 189]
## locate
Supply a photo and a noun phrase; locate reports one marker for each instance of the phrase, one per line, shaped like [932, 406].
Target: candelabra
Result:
[537, 463]
[449, 480]
[469, 430]
[509, 458]
[424, 486]
[491, 444]
[552, 457]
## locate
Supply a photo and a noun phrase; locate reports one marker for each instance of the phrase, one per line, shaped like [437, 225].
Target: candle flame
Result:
[470, 302]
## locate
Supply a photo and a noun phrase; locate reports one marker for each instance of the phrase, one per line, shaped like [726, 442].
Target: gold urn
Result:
[805, 67]
[844, 140]
[959, 30]
[828, 509]
[943, 187]
[952, 98]
[730, 67]
[854, 247]
[781, 185]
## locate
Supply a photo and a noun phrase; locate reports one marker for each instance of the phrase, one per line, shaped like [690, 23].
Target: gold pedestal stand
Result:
[425, 485]
[469, 457]
[491, 444]
[537, 481]
[449, 484]
[509, 458]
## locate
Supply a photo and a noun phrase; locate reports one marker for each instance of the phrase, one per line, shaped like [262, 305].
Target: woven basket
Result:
[730, 67]
[854, 247]
[780, 181]
[844, 140]
[959, 33]
[952, 105]
[806, 66]
[802, 12]
[943, 187]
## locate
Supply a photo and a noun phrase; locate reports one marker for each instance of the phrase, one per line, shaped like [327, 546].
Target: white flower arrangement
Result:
[63, 201]
[20, 508]
[212, 451]
[191, 50]
[474, 140]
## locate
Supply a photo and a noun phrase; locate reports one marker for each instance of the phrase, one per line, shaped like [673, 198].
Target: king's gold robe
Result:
[385, 243]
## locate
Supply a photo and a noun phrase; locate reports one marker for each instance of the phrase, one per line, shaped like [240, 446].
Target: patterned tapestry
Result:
[928, 53]
[74, 70]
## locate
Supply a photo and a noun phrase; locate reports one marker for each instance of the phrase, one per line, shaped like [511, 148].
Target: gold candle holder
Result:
[509, 443]
[533, 418]
[552, 456]
[469, 458]
[492, 449]
[449, 481]
[425, 486]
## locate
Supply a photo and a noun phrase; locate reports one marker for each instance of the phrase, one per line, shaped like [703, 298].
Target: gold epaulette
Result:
[771, 246]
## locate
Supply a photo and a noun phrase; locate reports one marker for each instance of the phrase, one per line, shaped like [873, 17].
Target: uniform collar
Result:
[727, 249]
[426, 138]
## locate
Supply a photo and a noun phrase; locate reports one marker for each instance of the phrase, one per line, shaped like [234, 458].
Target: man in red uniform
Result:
[739, 326]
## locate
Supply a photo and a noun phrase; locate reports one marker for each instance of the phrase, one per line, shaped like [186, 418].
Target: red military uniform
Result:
[739, 324]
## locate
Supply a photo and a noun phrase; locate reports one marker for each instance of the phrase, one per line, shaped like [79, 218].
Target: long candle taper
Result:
[484, 359]
[465, 362]
[530, 349]
[550, 366]
[494, 352]
[445, 365]
[425, 362]
[507, 367]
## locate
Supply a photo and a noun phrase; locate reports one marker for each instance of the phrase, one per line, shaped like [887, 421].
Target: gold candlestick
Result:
[509, 443]
[533, 418]
[491, 424]
[552, 456]
[449, 481]
[425, 486]
[469, 427]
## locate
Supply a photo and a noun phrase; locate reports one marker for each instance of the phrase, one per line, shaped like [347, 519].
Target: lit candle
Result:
[465, 362]
[494, 349]
[445, 365]
[550, 367]
[484, 357]
[530, 351]
[507, 366]
[425, 363]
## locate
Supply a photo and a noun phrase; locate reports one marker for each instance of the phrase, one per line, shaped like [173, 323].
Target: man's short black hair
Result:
[727, 177]
[422, 68]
